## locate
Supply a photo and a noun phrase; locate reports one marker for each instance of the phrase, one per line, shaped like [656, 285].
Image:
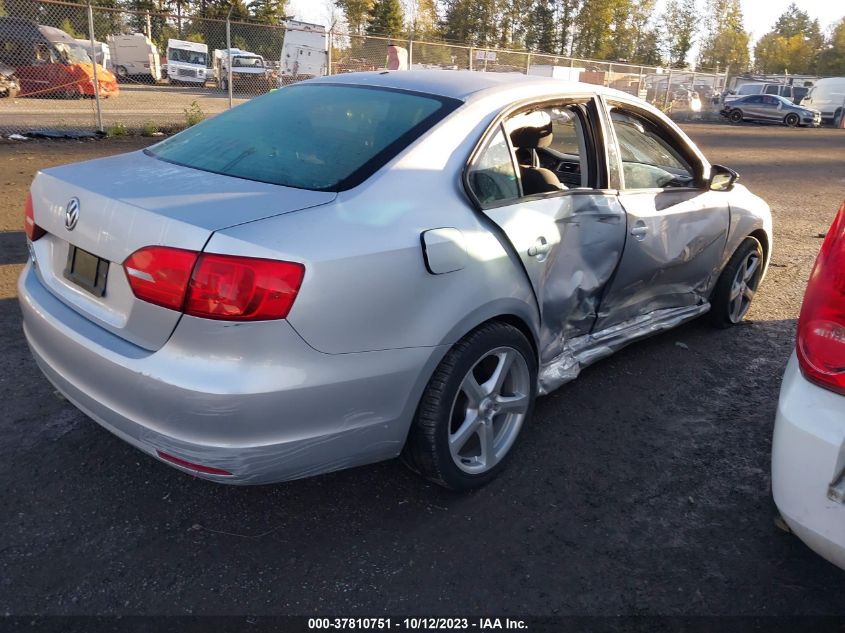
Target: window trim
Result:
[594, 116]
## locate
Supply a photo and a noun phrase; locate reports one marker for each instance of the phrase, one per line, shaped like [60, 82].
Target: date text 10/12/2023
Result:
[417, 624]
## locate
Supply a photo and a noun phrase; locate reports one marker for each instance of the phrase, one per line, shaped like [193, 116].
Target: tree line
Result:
[709, 33]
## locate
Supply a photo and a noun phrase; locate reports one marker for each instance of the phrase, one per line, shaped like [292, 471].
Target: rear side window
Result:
[493, 177]
[322, 137]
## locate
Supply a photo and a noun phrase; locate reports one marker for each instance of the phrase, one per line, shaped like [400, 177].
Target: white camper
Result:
[304, 51]
[134, 57]
[187, 62]
[828, 97]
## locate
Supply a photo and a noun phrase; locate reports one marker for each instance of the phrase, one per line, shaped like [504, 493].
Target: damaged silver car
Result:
[371, 265]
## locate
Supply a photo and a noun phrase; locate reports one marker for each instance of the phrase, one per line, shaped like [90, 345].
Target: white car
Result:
[808, 448]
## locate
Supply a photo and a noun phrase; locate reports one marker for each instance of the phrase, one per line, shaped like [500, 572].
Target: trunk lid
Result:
[133, 200]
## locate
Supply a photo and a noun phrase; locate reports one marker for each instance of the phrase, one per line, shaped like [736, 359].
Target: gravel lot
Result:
[641, 488]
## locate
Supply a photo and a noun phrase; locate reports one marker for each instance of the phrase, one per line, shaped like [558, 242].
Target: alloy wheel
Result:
[744, 287]
[489, 409]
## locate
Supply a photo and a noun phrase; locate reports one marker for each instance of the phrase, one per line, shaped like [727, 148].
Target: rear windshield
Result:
[324, 137]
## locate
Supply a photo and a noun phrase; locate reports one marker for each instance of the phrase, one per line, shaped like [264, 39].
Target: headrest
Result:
[531, 137]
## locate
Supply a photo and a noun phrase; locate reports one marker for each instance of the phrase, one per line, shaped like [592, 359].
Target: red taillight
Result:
[184, 463]
[820, 344]
[214, 286]
[243, 288]
[160, 275]
[33, 231]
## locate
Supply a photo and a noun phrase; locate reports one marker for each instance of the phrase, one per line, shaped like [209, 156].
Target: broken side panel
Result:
[569, 245]
[673, 250]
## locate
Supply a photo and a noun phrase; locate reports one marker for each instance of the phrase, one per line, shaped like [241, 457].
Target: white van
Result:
[249, 72]
[828, 97]
[135, 57]
[187, 62]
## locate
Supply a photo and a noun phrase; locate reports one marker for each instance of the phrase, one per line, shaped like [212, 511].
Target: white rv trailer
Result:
[304, 51]
[134, 57]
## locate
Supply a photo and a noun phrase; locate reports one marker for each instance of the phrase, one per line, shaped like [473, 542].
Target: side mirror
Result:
[722, 178]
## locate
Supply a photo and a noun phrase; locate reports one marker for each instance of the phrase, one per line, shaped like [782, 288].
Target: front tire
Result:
[737, 285]
[736, 116]
[473, 408]
[791, 120]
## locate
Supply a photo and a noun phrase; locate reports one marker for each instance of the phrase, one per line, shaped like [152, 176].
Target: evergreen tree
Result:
[542, 34]
[356, 12]
[386, 18]
[269, 11]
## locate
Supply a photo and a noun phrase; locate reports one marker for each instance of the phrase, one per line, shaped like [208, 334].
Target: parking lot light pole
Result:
[94, 67]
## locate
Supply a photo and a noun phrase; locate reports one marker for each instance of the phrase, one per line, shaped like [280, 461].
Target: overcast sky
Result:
[760, 15]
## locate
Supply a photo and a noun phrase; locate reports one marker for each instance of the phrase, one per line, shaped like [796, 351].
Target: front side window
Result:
[649, 160]
[492, 176]
[323, 137]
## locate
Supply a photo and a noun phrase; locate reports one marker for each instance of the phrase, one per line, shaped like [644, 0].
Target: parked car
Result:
[50, 63]
[808, 447]
[771, 109]
[361, 266]
[9, 84]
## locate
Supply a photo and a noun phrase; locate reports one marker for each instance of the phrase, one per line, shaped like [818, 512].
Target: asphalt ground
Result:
[641, 488]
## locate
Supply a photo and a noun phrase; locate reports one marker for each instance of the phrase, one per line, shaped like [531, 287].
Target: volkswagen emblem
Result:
[72, 214]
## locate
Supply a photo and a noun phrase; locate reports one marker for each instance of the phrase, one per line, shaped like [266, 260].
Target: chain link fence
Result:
[156, 72]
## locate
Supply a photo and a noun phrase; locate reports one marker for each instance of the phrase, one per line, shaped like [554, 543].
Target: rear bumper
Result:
[808, 460]
[252, 399]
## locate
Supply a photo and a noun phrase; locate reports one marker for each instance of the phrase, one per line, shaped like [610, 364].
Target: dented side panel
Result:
[673, 253]
[582, 236]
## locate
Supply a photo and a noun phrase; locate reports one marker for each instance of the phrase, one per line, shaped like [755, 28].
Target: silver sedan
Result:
[771, 109]
[371, 265]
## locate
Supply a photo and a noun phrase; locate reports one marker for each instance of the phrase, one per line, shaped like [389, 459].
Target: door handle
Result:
[639, 231]
[541, 247]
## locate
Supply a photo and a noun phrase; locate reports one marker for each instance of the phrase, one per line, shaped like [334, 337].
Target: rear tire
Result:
[737, 285]
[791, 120]
[473, 408]
[735, 116]
[121, 72]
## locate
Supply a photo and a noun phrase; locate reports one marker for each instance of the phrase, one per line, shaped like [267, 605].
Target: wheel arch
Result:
[518, 316]
[761, 236]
